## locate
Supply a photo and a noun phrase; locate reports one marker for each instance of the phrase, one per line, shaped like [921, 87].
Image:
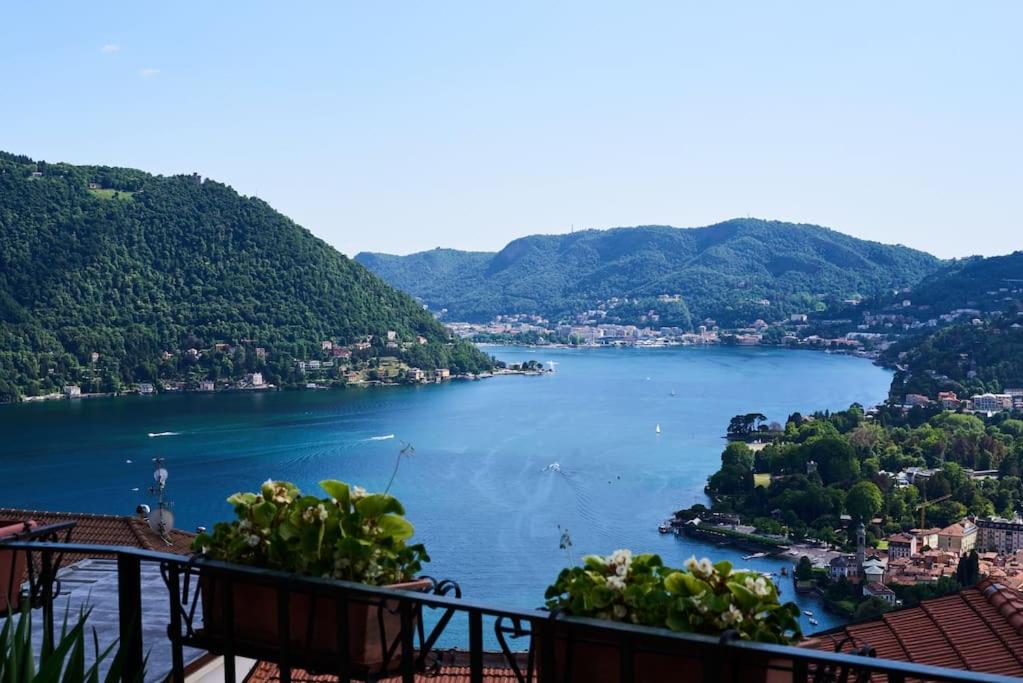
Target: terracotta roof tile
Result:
[978, 629]
[97, 529]
[265, 672]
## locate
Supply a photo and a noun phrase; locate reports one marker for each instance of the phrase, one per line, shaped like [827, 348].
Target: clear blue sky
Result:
[403, 126]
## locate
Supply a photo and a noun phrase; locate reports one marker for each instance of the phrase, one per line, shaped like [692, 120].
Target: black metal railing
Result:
[316, 624]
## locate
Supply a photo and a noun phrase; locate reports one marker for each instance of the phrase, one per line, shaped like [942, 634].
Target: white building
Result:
[146, 389]
[992, 403]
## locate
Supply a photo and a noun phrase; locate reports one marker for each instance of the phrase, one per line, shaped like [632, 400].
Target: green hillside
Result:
[137, 268]
[734, 272]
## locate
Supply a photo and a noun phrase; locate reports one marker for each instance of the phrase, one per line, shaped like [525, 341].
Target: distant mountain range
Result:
[135, 268]
[733, 272]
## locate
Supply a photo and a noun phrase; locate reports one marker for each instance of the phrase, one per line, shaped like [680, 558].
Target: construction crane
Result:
[922, 507]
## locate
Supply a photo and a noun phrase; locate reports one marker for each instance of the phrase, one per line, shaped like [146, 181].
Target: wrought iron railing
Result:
[314, 627]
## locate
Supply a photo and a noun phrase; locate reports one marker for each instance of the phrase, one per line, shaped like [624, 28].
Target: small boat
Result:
[754, 556]
[813, 622]
[784, 571]
[664, 527]
[808, 613]
[657, 429]
[673, 393]
[553, 467]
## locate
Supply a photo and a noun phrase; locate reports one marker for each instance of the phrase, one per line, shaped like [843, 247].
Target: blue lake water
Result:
[475, 488]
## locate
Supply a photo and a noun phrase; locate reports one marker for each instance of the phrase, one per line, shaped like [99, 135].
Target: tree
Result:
[804, 569]
[835, 458]
[864, 501]
[968, 571]
[871, 608]
[741, 426]
[738, 453]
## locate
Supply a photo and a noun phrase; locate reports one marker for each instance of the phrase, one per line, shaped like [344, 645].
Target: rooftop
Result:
[977, 629]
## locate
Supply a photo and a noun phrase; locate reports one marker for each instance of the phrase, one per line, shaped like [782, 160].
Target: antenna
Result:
[161, 521]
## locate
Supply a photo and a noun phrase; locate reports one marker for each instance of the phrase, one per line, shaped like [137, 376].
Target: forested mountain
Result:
[137, 268]
[984, 283]
[734, 272]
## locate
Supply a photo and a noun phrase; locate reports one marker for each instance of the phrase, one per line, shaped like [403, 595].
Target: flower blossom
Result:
[616, 583]
[252, 540]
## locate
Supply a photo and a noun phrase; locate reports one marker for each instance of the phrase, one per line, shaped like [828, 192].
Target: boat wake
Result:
[385, 437]
[153, 435]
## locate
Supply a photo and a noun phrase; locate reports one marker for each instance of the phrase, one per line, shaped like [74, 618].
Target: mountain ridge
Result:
[559, 275]
[132, 267]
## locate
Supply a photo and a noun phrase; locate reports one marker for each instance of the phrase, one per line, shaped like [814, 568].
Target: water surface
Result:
[475, 488]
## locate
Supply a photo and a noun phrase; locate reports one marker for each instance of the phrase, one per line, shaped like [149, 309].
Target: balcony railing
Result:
[312, 623]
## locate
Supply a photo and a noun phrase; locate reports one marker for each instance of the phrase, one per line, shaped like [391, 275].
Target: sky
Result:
[399, 127]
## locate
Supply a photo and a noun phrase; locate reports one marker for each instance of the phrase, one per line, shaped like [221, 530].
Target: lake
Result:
[476, 488]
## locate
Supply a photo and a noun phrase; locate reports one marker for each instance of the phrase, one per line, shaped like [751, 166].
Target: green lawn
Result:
[113, 194]
[763, 479]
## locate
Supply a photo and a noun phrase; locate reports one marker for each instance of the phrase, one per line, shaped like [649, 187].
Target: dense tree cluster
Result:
[734, 272]
[131, 266]
[834, 464]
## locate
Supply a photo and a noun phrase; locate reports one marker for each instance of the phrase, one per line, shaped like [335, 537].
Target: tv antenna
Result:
[161, 521]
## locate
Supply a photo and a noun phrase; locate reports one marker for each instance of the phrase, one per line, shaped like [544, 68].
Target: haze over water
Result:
[476, 488]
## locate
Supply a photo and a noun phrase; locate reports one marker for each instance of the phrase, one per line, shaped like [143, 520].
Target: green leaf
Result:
[377, 504]
[338, 490]
[395, 527]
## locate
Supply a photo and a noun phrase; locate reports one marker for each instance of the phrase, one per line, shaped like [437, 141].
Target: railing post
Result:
[544, 628]
[475, 646]
[174, 628]
[408, 671]
[344, 674]
[48, 578]
[227, 585]
[625, 660]
[284, 630]
[129, 603]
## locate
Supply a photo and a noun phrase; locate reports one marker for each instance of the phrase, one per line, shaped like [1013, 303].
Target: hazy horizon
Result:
[400, 129]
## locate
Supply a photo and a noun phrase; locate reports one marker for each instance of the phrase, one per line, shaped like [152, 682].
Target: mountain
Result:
[138, 268]
[982, 347]
[725, 271]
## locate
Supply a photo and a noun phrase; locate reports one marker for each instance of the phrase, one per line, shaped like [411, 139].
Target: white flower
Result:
[691, 564]
[252, 540]
[307, 515]
[758, 586]
[245, 525]
[358, 493]
[619, 611]
[621, 557]
[706, 567]
[621, 570]
[616, 583]
[731, 616]
[321, 512]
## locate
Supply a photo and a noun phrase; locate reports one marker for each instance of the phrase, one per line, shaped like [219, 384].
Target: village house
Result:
[948, 400]
[959, 538]
[442, 374]
[926, 538]
[326, 345]
[416, 375]
[207, 385]
[901, 545]
[146, 389]
[73, 391]
[913, 400]
[254, 379]
[991, 403]
[879, 590]
[260, 353]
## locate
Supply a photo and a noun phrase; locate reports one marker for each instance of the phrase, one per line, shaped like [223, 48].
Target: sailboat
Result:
[673, 393]
[657, 429]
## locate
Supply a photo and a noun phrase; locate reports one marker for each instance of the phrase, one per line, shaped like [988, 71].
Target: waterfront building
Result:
[1000, 535]
[206, 385]
[948, 400]
[146, 389]
[72, 391]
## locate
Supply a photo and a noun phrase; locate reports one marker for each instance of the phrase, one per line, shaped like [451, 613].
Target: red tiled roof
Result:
[977, 629]
[125, 530]
[494, 671]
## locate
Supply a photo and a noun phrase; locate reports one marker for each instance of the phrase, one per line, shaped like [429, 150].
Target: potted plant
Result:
[704, 598]
[350, 535]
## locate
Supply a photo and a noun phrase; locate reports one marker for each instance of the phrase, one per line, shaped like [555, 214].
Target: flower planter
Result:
[593, 655]
[374, 630]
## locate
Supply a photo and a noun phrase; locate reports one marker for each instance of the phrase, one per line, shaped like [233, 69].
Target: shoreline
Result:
[48, 398]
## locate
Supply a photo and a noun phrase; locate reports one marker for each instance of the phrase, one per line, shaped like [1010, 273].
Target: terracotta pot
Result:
[374, 631]
[594, 656]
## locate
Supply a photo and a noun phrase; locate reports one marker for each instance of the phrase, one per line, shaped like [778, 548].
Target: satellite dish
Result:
[161, 521]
